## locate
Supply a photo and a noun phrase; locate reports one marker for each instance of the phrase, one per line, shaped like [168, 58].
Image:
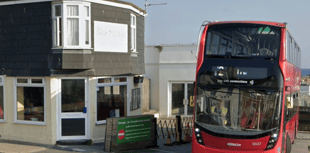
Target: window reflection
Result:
[30, 103]
[110, 101]
[72, 95]
[243, 40]
[177, 98]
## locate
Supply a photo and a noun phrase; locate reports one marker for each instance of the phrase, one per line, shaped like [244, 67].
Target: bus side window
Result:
[291, 50]
[285, 109]
[287, 48]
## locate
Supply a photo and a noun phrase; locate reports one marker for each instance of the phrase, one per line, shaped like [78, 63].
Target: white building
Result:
[305, 89]
[171, 70]
[305, 93]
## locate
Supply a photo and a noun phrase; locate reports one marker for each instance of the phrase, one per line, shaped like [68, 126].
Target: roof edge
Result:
[115, 3]
[277, 24]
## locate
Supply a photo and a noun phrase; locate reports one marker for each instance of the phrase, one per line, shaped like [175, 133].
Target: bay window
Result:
[71, 25]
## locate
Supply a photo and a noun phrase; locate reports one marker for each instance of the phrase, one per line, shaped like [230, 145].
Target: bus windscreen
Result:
[236, 111]
[243, 40]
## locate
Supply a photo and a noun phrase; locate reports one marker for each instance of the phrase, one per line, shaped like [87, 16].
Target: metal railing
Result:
[187, 125]
[169, 126]
[166, 126]
[304, 110]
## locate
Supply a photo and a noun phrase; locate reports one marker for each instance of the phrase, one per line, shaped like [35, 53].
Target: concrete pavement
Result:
[12, 148]
[7, 146]
[301, 143]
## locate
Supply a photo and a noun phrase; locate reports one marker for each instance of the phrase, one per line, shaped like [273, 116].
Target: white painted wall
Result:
[175, 63]
[305, 90]
[151, 56]
[43, 134]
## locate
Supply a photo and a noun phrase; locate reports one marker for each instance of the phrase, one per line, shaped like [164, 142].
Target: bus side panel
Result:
[196, 148]
[293, 75]
[283, 67]
[291, 79]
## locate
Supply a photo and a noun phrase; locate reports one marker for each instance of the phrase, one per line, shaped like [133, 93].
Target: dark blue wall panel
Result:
[25, 39]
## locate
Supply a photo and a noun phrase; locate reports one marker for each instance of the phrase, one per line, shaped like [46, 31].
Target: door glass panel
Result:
[190, 97]
[177, 98]
[73, 127]
[72, 95]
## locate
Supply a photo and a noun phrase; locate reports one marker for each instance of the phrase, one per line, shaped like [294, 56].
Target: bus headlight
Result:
[198, 136]
[273, 139]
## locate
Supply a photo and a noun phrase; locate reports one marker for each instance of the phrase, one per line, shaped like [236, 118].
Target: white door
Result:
[182, 98]
[72, 108]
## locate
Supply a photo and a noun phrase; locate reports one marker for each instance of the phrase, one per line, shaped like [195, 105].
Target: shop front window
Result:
[111, 98]
[30, 101]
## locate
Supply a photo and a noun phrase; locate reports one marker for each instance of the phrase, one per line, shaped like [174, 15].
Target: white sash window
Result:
[71, 25]
[133, 33]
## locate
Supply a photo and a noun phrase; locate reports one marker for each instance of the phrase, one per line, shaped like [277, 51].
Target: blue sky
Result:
[179, 21]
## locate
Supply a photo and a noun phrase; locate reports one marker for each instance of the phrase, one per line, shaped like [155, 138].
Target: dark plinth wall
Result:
[26, 44]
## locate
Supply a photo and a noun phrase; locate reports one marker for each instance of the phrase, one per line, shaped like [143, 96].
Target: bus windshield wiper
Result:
[217, 88]
[264, 90]
[261, 90]
[229, 56]
[214, 56]
[269, 58]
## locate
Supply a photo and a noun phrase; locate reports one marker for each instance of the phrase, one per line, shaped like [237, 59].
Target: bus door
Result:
[292, 103]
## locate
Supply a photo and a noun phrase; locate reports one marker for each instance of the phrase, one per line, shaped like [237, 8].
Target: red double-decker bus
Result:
[247, 88]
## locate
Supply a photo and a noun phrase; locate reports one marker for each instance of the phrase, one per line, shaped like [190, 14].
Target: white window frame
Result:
[169, 104]
[61, 115]
[28, 84]
[3, 109]
[82, 26]
[113, 83]
[133, 25]
[138, 98]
